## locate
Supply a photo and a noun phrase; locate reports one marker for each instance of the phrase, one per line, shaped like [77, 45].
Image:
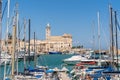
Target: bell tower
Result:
[48, 32]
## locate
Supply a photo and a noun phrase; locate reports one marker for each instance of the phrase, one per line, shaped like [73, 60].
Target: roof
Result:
[67, 35]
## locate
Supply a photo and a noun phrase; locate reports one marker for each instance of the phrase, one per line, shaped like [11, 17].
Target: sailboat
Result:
[112, 72]
[96, 72]
[114, 75]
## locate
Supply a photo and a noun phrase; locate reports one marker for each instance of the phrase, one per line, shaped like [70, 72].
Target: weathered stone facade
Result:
[52, 43]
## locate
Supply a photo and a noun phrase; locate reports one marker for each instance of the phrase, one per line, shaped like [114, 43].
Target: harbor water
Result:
[51, 61]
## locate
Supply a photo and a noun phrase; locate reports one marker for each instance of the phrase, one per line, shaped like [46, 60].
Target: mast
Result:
[0, 29]
[116, 38]
[0, 26]
[93, 26]
[111, 36]
[7, 33]
[18, 33]
[29, 42]
[24, 44]
[13, 52]
[34, 52]
[99, 36]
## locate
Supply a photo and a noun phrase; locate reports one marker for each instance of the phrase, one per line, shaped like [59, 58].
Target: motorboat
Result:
[74, 59]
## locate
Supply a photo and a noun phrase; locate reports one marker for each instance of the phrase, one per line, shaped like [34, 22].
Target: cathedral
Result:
[51, 43]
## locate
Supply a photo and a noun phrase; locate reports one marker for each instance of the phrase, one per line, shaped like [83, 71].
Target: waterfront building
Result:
[57, 43]
[51, 43]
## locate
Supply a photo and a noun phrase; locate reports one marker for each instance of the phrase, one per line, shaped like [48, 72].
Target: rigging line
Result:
[4, 9]
[20, 27]
[104, 35]
[4, 12]
[11, 18]
[10, 25]
[118, 25]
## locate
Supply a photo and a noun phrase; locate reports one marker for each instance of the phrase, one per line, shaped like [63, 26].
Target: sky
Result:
[75, 17]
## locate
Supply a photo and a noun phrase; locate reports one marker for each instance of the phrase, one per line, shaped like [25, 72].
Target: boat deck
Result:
[64, 76]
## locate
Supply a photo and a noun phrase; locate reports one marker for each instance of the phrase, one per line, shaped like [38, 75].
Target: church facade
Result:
[54, 43]
[51, 43]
